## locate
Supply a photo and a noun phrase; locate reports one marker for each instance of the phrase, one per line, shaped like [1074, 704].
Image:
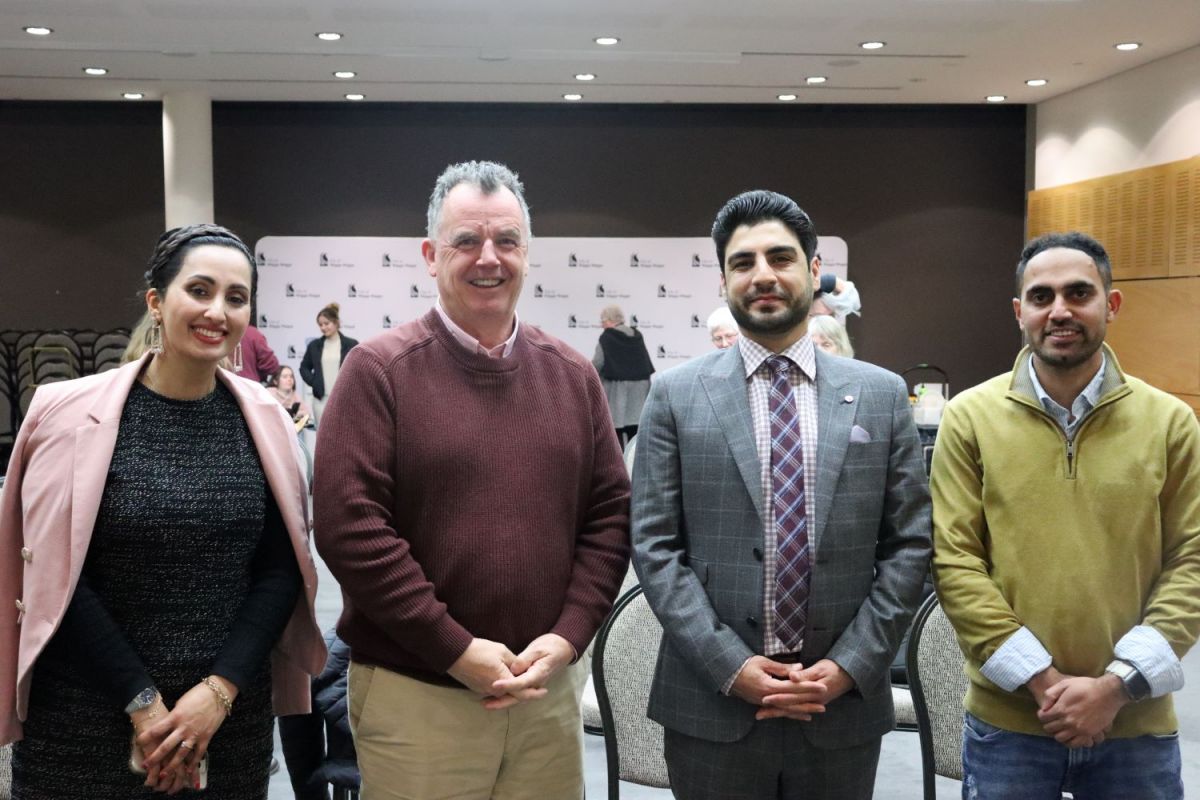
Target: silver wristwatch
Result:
[143, 699]
[1134, 682]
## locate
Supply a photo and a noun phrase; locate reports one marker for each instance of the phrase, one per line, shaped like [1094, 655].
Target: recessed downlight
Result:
[574, 97]
[872, 45]
[38, 30]
[815, 79]
[1036, 82]
[996, 98]
[1126, 46]
[329, 36]
[345, 74]
[787, 98]
[607, 41]
[95, 71]
[585, 76]
[133, 95]
[355, 96]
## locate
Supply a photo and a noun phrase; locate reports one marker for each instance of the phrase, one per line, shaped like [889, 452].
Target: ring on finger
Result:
[187, 745]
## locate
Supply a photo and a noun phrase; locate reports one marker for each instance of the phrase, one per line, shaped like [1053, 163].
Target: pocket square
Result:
[859, 435]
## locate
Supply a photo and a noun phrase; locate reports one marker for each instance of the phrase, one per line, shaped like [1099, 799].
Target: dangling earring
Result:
[237, 358]
[154, 338]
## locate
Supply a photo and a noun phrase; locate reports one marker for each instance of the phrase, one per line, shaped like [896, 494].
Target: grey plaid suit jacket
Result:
[698, 542]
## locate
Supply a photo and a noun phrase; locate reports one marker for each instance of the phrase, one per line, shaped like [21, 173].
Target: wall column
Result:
[187, 158]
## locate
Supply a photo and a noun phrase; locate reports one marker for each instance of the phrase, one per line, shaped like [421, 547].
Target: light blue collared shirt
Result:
[1069, 420]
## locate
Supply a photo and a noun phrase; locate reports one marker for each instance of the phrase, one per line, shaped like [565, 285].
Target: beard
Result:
[791, 313]
[1066, 359]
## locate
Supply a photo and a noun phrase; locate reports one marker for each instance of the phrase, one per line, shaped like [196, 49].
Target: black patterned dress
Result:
[178, 543]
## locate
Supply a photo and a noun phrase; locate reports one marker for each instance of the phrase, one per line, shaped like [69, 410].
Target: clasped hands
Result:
[504, 678]
[1077, 711]
[161, 733]
[790, 690]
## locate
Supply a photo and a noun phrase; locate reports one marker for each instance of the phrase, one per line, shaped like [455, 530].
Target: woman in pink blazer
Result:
[154, 558]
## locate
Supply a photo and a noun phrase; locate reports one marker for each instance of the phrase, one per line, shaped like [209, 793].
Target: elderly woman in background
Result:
[625, 369]
[722, 327]
[324, 356]
[153, 537]
[830, 335]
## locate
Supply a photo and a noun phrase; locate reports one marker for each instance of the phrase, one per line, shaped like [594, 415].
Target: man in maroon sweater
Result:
[471, 500]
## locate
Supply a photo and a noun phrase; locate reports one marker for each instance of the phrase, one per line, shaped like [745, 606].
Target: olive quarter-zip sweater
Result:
[462, 496]
[1079, 542]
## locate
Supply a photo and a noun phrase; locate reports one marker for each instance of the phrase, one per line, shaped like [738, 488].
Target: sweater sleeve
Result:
[354, 530]
[982, 619]
[602, 541]
[275, 584]
[97, 644]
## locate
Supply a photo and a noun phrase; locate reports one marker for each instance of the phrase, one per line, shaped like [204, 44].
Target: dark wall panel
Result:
[81, 205]
[929, 199]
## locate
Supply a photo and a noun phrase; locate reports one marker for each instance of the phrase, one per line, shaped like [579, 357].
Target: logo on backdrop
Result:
[416, 291]
[636, 322]
[673, 294]
[641, 262]
[603, 291]
[387, 261]
[291, 351]
[599, 290]
[572, 322]
[671, 354]
[356, 290]
[387, 320]
[324, 260]
[695, 261]
[262, 259]
[550, 294]
[575, 261]
[273, 324]
[537, 290]
[633, 261]
[662, 351]
[290, 290]
[695, 320]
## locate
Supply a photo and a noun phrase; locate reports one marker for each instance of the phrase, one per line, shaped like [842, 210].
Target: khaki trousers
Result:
[418, 741]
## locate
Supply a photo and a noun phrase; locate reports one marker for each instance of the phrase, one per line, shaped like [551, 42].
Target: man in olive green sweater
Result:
[1067, 550]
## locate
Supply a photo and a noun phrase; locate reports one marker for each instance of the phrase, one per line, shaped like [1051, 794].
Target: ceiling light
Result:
[585, 76]
[573, 97]
[813, 79]
[344, 73]
[607, 41]
[133, 95]
[356, 97]
[95, 70]
[1121, 46]
[1036, 82]
[872, 45]
[996, 98]
[329, 36]
[38, 30]
[787, 98]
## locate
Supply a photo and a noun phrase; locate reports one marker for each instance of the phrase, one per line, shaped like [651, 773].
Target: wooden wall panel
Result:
[1156, 335]
[1185, 238]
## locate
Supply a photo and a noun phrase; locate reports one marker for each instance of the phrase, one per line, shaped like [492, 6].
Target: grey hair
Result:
[613, 314]
[834, 331]
[488, 176]
[721, 318]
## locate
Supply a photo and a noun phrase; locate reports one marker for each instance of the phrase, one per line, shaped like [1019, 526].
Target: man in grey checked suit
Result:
[784, 578]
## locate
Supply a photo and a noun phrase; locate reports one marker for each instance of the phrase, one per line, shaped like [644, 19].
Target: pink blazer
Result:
[48, 509]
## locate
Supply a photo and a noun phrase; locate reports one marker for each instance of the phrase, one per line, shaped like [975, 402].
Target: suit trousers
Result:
[420, 741]
[774, 761]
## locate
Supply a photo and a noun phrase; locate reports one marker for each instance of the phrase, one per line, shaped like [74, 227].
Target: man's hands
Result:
[1076, 711]
[790, 690]
[504, 678]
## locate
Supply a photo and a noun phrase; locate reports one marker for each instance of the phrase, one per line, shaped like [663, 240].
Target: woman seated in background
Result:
[154, 539]
[282, 385]
[830, 335]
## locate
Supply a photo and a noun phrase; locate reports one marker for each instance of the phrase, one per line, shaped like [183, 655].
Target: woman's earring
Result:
[154, 338]
[237, 358]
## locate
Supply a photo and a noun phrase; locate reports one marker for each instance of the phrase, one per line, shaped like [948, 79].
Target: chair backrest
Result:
[6, 772]
[939, 684]
[623, 666]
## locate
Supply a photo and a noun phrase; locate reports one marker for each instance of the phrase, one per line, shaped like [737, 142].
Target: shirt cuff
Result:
[728, 687]
[1151, 654]
[1016, 661]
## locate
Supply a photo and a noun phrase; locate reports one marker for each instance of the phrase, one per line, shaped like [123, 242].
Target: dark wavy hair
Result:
[173, 246]
[760, 205]
[1071, 240]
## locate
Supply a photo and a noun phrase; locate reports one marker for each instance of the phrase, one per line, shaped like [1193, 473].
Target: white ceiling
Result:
[671, 51]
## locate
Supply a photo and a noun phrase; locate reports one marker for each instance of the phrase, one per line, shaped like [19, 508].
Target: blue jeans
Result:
[1002, 765]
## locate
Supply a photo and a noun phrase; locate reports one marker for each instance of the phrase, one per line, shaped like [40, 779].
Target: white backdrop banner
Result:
[667, 287]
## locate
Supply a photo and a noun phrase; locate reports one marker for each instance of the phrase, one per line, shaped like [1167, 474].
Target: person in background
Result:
[471, 500]
[723, 328]
[1067, 550]
[835, 297]
[324, 356]
[258, 359]
[625, 369]
[830, 335]
[154, 543]
[282, 386]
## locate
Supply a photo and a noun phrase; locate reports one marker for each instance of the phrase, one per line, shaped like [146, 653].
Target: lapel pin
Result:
[848, 398]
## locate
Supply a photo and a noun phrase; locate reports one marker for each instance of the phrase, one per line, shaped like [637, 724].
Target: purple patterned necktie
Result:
[791, 523]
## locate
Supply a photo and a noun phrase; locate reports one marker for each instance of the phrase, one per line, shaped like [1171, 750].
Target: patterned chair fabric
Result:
[623, 665]
[939, 684]
[6, 772]
[589, 703]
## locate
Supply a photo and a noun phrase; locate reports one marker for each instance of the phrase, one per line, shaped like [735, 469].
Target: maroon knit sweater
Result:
[460, 496]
